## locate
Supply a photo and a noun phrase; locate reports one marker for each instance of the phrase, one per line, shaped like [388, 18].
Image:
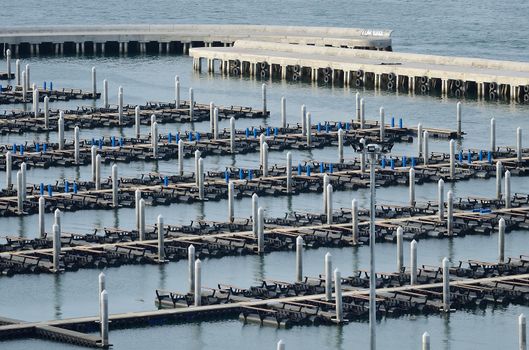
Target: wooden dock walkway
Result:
[392, 71]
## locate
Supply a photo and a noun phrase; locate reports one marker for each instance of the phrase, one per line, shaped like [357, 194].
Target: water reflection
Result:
[57, 296]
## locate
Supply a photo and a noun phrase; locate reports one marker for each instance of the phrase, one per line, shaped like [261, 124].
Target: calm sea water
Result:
[484, 28]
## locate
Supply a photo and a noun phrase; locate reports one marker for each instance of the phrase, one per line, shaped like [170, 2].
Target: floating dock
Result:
[176, 38]
[392, 71]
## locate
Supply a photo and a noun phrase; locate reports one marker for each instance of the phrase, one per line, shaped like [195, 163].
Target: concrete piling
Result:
[56, 247]
[400, 249]
[357, 104]
[98, 172]
[93, 155]
[215, 123]
[211, 118]
[231, 198]
[281, 345]
[289, 172]
[263, 90]
[265, 159]
[522, 332]
[354, 220]
[232, 135]
[46, 112]
[141, 212]
[27, 76]
[458, 118]
[492, 135]
[23, 172]
[201, 178]
[499, 170]
[328, 276]
[24, 86]
[180, 157]
[362, 113]
[441, 199]
[198, 282]
[137, 126]
[161, 245]
[338, 295]
[426, 152]
[363, 155]
[197, 157]
[426, 341]
[329, 204]
[101, 287]
[20, 191]
[191, 103]
[283, 112]
[36, 103]
[177, 91]
[501, 240]
[519, 144]
[261, 143]
[120, 105]
[260, 231]
[9, 168]
[191, 267]
[104, 318]
[412, 186]
[154, 140]
[299, 259]
[8, 63]
[419, 140]
[255, 214]
[137, 198]
[413, 262]
[382, 124]
[42, 223]
[326, 181]
[450, 213]
[60, 127]
[76, 143]
[115, 186]
[452, 160]
[105, 93]
[17, 71]
[446, 285]
[94, 83]
[507, 189]
[340, 145]
[308, 124]
[303, 119]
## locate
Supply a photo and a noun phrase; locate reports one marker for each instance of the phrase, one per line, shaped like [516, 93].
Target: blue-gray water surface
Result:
[472, 28]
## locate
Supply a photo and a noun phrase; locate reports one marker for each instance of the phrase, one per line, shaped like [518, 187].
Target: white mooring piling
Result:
[27, 76]
[198, 282]
[42, 223]
[215, 123]
[413, 262]
[141, 212]
[363, 155]
[519, 144]
[24, 86]
[499, 170]
[283, 112]
[137, 198]
[120, 105]
[23, 171]
[20, 191]
[46, 112]
[76, 143]
[154, 140]
[450, 213]
[425, 341]
[255, 214]
[56, 229]
[265, 159]
[8, 63]
[17, 71]
[357, 104]
[260, 231]
[281, 345]
[400, 249]
[299, 259]
[338, 295]
[94, 83]
[93, 154]
[191, 268]
[197, 157]
[329, 205]
[303, 119]
[425, 149]
[419, 140]
[328, 276]
[180, 157]
[362, 113]
[354, 220]
[507, 189]
[137, 125]
[98, 172]
[201, 179]
[36, 103]
[104, 318]
[326, 182]
[501, 240]
[191, 103]
[102, 285]
[493, 135]
[161, 233]
[232, 135]
[382, 124]
[308, 125]
[211, 118]
[263, 90]
[340, 145]
[458, 118]
[289, 172]
[105, 93]
[177, 91]
[115, 186]
[412, 186]
[522, 332]
[452, 159]
[231, 198]
[446, 285]
[60, 129]
[441, 199]
[9, 168]
[261, 143]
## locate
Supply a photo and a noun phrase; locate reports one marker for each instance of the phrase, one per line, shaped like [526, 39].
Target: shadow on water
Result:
[57, 295]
